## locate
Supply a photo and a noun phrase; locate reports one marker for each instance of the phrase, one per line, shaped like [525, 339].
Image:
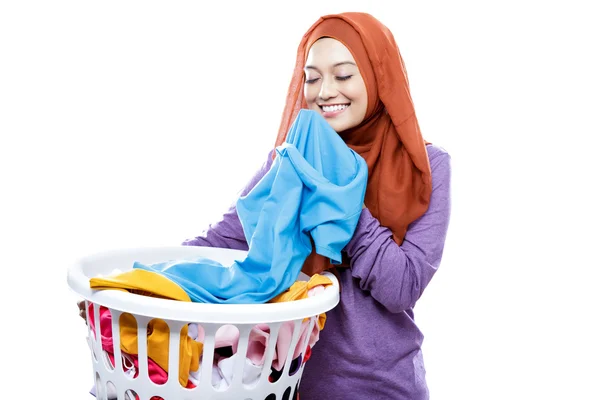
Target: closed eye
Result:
[339, 78]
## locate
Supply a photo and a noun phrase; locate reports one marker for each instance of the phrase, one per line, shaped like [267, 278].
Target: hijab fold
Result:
[389, 138]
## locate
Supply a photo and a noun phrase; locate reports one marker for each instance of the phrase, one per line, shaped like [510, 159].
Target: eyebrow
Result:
[334, 65]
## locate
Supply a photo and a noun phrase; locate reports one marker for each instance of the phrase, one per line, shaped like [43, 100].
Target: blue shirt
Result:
[314, 188]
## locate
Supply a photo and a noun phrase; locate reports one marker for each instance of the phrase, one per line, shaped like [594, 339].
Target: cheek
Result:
[358, 92]
[360, 97]
[310, 95]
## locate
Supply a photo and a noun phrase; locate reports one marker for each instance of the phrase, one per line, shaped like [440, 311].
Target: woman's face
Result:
[333, 85]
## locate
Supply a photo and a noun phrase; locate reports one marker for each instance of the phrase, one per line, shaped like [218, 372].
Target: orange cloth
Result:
[389, 138]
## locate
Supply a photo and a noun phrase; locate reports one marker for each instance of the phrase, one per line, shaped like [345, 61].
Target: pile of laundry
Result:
[225, 347]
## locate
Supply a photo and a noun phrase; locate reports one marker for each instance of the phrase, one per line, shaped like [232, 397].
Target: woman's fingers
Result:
[81, 305]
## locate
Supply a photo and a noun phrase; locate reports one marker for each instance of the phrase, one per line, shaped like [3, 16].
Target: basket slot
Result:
[111, 389]
[270, 351]
[99, 386]
[115, 316]
[90, 335]
[130, 394]
[208, 354]
[290, 354]
[142, 331]
[97, 333]
[242, 348]
[175, 328]
[306, 340]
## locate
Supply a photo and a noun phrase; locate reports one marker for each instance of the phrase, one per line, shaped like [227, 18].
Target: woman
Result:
[350, 71]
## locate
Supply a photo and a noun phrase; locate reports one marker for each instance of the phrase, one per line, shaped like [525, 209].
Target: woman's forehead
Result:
[328, 52]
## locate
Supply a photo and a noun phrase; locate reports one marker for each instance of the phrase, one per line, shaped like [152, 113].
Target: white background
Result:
[135, 123]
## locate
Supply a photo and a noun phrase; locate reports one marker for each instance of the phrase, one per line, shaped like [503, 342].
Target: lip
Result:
[332, 114]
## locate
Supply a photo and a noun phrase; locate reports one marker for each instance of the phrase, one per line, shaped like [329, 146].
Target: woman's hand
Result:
[81, 305]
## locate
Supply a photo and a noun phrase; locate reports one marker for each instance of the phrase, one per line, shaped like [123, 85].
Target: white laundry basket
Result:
[177, 314]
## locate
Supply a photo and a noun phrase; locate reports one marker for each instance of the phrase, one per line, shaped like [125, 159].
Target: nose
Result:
[328, 90]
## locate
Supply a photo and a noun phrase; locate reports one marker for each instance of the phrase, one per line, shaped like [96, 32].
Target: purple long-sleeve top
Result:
[370, 347]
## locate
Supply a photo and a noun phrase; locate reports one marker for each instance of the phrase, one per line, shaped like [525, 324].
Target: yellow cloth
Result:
[158, 345]
[299, 290]
[149, 283]
[142, 282]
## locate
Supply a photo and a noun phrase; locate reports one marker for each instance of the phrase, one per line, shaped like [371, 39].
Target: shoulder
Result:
[439, 158]
[436, 152]
[441, 169]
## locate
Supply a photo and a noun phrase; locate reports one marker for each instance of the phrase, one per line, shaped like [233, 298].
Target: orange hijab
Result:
[389, 138]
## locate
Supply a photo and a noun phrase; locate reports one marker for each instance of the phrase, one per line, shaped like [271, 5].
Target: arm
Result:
[396, 276]
[228, 232]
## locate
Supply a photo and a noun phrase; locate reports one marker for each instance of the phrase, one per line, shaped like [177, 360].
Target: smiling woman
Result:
[349, 70]
[334, 86]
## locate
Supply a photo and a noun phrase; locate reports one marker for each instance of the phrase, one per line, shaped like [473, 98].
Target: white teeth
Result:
[335, 108]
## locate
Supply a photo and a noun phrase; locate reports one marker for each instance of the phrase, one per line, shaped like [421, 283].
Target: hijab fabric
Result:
[389, 138]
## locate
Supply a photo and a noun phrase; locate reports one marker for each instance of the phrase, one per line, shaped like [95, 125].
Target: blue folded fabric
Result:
[315, 188]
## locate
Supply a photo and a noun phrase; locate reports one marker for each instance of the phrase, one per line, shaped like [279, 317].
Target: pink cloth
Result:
[155, 372]
[258, 339]
[284, 340]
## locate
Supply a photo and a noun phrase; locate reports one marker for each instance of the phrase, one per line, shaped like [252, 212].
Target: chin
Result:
[335, 127]
[339, 127]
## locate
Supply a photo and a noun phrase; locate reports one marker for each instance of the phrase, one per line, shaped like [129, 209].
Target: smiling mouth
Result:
[334, 107]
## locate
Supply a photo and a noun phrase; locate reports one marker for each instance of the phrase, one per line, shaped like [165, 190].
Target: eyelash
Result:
[339, 78]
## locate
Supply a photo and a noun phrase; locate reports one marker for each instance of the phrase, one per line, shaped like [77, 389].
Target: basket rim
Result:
[175, 310]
